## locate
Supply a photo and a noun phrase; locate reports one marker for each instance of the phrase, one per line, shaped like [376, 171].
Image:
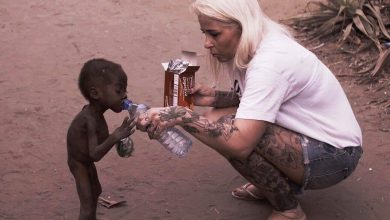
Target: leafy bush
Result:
[360, 23]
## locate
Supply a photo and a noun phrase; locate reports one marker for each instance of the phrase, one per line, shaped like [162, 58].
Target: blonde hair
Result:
[247, 14]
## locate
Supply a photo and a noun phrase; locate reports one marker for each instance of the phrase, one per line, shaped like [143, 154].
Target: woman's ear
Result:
[93, 93]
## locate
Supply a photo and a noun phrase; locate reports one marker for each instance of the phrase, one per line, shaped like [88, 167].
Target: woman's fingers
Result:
[143, 122]
[151, 123]
[195, 89]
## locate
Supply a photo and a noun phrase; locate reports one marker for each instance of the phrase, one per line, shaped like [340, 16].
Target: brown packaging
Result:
[176, 84]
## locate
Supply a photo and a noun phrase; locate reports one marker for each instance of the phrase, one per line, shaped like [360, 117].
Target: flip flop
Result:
[243, 192]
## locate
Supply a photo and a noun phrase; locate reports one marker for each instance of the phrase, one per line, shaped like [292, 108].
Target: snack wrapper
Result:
[179, 78]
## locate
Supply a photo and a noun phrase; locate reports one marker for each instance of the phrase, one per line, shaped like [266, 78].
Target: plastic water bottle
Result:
[171, 138]
[125, 147]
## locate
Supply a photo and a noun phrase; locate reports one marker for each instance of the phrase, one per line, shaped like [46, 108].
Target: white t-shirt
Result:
[288, 85]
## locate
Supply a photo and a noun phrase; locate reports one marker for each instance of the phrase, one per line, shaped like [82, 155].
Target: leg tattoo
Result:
[278, 153]
[282, 147]
[270, 181]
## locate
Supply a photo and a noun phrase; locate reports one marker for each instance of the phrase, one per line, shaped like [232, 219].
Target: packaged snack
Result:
[179, 78]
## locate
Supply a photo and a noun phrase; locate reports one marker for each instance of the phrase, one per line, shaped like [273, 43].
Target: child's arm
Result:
[96, 152]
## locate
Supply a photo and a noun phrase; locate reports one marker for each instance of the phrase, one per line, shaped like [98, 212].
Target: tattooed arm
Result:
[233, 138]
[223, 99]
[206, 96]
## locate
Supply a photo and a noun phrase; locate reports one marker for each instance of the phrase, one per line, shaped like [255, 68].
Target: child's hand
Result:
[126, 129]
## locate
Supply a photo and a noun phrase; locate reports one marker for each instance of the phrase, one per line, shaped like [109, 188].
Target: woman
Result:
[285, 126]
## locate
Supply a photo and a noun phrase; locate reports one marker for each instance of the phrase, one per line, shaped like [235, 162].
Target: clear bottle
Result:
[125, 147]
[172, 138]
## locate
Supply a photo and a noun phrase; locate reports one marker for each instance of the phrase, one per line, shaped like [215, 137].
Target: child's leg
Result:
[84, 190]
[96, 187]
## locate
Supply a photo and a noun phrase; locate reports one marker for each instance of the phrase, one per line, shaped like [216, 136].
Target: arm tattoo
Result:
[193, 123]
[225, 99]
[223, 127]
[172, 113]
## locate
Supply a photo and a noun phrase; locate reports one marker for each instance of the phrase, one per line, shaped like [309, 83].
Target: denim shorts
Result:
[326, 165]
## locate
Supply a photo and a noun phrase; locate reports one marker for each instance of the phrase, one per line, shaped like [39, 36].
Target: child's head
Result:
[103, 81]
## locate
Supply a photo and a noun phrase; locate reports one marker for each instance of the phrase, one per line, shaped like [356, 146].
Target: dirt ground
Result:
[43, 45]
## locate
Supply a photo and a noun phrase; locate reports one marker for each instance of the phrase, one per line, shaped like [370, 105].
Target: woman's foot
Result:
[247, 192]
[292, 214]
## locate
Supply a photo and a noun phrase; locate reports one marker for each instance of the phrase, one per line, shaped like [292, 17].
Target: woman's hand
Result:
[206, 96]
[203, 95]
[156, 120]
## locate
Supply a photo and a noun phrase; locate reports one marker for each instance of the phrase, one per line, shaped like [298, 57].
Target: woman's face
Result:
[221, 38]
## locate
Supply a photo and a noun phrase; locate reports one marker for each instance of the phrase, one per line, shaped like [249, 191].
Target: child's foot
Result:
[247, 191]
[292, 214]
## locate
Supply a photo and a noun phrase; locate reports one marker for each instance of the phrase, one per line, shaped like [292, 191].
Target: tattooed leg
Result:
[277, 158]
[283, 149]
[270, 182]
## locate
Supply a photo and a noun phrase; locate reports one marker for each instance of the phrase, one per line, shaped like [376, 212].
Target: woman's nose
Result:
[207, 43]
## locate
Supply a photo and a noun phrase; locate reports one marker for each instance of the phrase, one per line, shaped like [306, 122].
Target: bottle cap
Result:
[126, 104]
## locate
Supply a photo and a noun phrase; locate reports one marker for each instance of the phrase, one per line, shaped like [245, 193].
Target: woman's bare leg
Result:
[277, 158]
[283, 148]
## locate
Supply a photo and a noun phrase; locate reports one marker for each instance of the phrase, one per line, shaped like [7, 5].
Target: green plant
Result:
[360, 23]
